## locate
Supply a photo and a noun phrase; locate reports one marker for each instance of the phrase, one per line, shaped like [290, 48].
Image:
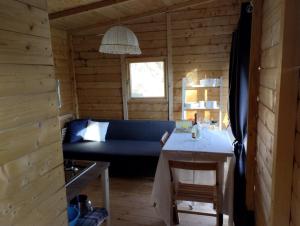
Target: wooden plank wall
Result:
[201, 48]
[98, 75]
[64, 70]
[152, 35]
[98, 79]
[31, 172]
[201, 41]
[271, 53]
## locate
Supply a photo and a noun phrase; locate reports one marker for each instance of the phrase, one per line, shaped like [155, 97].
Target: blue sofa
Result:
[132, 147]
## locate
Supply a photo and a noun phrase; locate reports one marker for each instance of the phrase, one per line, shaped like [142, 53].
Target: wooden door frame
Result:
[254, 73]
[286, 117]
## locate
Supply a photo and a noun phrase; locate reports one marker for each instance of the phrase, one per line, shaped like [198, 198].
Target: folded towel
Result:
[93, 218]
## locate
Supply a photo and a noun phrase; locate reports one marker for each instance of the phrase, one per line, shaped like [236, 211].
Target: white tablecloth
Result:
[213, 146]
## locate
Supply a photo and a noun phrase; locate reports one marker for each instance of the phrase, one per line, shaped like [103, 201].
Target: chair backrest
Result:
[200, 166]
[164, 138]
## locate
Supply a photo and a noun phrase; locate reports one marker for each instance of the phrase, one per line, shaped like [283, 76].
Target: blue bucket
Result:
[73, 215]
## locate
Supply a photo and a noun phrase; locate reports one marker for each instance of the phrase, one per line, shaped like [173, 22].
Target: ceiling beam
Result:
[84, 8]
[175, 7]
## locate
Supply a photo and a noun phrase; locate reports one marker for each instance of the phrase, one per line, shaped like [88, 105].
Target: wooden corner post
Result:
[124, 87]
[253, 104]
[170, 66]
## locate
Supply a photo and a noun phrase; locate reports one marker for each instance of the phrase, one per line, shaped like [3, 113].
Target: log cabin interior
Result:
[98, 96]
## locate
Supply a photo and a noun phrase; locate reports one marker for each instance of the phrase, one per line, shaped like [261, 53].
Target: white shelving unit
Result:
[200, 105]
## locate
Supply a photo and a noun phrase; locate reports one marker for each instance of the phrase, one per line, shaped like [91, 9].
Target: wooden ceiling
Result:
[73, 15]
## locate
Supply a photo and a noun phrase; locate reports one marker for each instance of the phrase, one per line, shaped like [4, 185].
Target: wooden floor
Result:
[130, 204]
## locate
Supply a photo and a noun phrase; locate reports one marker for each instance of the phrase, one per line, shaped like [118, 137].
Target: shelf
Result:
[200, 108]
[201, 87]
[201, 105]
[76, 171]
[86, 171]
[211, 105]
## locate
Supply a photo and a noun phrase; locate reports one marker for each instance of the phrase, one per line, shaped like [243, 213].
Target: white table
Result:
[214, 145]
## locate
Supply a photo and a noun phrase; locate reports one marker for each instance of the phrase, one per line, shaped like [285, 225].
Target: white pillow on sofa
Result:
[96, 131]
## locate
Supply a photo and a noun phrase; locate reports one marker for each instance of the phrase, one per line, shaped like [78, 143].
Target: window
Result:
[147, 79]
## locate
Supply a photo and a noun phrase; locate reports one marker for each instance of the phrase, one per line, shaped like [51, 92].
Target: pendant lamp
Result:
[119, 40]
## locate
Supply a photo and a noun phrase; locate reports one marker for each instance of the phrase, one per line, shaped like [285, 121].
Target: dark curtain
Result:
[238, 108]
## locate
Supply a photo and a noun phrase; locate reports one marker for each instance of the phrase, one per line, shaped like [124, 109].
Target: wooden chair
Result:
[194, 192]
[164, 138]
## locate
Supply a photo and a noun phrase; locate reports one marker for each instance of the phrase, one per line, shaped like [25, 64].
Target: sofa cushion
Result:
[96, 131]
[75, 130]
[111, 148]
[144, 130]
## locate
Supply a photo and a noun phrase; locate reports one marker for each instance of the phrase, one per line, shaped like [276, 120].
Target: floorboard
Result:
[130, 204]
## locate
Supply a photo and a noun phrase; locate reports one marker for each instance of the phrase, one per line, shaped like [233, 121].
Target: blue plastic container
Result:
[73, 215]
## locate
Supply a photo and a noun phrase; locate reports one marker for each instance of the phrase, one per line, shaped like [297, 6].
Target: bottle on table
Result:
[195, 128]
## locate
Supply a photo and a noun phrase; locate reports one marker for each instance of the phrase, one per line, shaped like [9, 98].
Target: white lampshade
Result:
[119, 40]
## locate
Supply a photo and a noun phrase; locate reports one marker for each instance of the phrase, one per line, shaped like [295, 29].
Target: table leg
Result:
[105, 189]
[221, 184]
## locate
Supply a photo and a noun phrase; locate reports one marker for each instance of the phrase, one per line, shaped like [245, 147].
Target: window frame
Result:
[145, 60]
